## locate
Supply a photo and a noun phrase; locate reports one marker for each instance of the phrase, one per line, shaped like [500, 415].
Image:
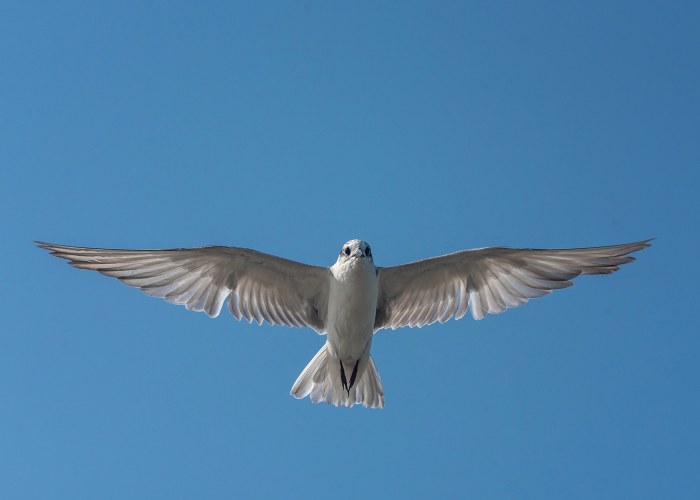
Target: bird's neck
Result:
[354, 270]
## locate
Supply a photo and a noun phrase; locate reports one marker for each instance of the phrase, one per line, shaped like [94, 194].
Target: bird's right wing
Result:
[259, 287]
[487, 280]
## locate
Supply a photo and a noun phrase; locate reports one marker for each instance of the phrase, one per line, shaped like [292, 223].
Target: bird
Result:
[352, 299]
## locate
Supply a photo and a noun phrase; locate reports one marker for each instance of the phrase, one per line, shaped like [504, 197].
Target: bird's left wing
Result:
[487, 280]
[259, 287]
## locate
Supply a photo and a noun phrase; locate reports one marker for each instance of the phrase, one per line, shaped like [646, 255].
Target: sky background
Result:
[292, 127]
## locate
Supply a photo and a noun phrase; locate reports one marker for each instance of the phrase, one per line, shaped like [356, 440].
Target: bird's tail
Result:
[321, 380]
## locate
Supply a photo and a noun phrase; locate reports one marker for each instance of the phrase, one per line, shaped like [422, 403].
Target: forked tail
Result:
[321, 380]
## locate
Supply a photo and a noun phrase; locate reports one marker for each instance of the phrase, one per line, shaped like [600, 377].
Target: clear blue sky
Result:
[292, 127]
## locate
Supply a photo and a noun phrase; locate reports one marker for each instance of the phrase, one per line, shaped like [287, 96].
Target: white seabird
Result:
[350, 300]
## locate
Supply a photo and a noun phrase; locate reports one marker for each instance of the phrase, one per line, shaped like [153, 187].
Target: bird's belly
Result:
[350, 322]
[348, 337]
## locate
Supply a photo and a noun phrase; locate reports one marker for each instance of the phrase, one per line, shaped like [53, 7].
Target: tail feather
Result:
[321, 381]
[369, 390]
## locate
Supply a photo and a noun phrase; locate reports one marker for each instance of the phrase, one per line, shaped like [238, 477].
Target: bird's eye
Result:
[368, 252]
[346, 250]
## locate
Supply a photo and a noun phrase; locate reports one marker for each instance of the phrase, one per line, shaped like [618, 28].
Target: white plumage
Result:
[350, 300]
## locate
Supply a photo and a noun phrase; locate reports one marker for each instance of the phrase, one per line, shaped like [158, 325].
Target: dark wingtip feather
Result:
[50, 247]
[629, 248]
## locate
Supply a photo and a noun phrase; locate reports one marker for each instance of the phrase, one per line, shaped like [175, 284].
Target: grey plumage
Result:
[486, 280]
[259, 287]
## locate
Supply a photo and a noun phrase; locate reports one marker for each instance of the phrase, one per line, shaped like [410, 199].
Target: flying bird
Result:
[352, 299]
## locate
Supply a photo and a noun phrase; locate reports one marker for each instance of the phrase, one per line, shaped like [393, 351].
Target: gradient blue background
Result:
[291, 127]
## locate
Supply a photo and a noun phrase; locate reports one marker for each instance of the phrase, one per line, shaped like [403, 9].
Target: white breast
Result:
[352, 304]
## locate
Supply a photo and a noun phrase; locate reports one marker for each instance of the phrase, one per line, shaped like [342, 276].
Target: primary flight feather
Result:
[350, 300]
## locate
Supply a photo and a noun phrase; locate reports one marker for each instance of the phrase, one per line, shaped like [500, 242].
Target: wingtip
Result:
[639, 245]
[644, 243]
[45, 245]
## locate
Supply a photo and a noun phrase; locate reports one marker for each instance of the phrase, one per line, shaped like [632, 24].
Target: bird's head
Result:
[355, 250]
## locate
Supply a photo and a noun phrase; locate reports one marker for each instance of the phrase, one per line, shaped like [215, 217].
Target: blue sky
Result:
[292, 127]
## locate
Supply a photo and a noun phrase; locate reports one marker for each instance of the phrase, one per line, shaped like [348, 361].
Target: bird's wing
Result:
[259, 287]
[487, 280]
